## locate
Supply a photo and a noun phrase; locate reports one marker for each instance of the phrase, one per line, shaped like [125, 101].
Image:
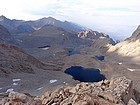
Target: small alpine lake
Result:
[85, 74]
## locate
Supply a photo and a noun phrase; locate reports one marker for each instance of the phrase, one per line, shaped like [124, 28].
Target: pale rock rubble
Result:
[117, 91]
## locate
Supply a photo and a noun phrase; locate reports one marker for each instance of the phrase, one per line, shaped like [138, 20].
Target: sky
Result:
[118, 18]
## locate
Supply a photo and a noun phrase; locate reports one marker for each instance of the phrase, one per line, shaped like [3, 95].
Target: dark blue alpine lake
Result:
[85, 74]
[101, 58]
[47, 46]
[73, 52]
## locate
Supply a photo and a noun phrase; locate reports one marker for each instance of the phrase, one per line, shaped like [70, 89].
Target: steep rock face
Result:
[5, 36]
[13, 59]
[89, 34]
[108, 92]
[129, 48]
[94, 35]
[23, 28]
[100, 41]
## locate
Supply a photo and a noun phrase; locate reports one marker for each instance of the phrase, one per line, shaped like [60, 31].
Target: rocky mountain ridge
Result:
[5, 36]
[14, 59]
[68, 26]
[94, 35]
[15, 26]
[136, 34]
[129, 48]
[20, 26]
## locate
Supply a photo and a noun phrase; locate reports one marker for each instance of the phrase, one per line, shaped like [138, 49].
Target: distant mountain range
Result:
[17, 27]
[62, 37]
[20, 26]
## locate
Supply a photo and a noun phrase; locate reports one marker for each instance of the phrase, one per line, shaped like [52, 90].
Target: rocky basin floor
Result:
[35, 84]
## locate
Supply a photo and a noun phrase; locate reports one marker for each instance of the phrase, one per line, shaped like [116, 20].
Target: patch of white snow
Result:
[40, 88]
[15, 80]
[15, 84]
[120, 63]
[53, 81]
[46, 48]
[131, 69]
[10, 90]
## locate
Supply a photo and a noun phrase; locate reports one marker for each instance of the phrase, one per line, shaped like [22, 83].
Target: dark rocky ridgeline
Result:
[94, 35]
[117, 91]
[5, 36]
[15, 26]
[100, 42]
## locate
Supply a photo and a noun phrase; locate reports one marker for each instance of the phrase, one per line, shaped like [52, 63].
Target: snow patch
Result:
[63, 34]
[101, 37]
[10, 90]
[131, 69]
[45, 48]
[15, 84]
[95, 33]
[39, 88]
[65, 83]
[120, 63]
[53, 81]
[0, 88]
[15, 80]
[19, 40]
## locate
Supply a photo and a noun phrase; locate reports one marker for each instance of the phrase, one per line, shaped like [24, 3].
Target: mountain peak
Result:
[47, 18]
[2, 17]
[51, 18]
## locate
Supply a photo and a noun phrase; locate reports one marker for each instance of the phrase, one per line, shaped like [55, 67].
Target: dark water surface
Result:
[101, 58]
[85, 74]
[73, 52]
[44, 46]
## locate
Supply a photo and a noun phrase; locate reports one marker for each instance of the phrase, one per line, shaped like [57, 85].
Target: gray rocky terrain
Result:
[21, 72]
